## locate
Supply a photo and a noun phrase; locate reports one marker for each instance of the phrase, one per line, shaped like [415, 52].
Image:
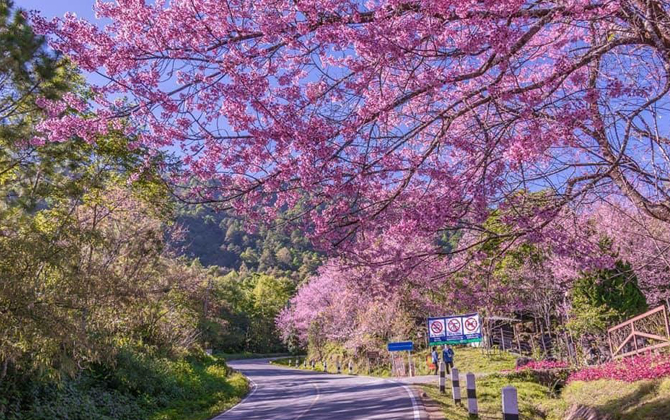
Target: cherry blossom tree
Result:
[421, 114]
[363, 300]
[643, 242]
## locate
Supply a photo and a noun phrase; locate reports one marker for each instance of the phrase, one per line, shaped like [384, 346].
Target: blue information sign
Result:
[454, 329]
[401, 346]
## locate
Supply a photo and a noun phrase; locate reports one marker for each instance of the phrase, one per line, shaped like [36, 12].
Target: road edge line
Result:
[254, 388]
[415, 405]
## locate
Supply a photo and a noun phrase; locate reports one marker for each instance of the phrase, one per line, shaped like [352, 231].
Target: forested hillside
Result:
[220, 239]
[254, 273]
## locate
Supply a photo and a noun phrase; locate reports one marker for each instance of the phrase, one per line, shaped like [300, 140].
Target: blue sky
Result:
[51, 8]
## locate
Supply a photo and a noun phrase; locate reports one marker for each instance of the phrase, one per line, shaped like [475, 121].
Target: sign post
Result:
[454, 329]
[401, 346]
[371, 355]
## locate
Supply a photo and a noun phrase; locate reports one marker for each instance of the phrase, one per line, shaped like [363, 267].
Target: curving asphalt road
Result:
[281, 393]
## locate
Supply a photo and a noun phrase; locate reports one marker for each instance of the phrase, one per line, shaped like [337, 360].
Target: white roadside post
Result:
[325, 366]
[443, 369]
[472, 393]
[455, 386]
[339, 367]
[289, 362]
[351, 367]
[510, 405]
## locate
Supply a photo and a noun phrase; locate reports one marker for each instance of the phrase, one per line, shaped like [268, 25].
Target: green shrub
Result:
[140, 386]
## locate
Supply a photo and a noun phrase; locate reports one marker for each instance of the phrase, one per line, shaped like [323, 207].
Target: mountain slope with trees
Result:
[99, 316]
[226, 241]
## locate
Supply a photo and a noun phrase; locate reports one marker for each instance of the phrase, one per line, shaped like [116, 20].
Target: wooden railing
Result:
[642, 333]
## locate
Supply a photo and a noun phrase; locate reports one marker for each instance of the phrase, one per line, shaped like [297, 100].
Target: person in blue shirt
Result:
[448, 357]
[436, 359]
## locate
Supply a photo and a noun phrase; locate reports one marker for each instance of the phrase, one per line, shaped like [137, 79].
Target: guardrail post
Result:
[455, 386]
[351, 367]
[510, 405]
[472, 393]
[443, 369]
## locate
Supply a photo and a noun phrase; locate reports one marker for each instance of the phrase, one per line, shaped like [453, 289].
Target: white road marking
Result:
[316, 386]
[415, 405]
[254, 388]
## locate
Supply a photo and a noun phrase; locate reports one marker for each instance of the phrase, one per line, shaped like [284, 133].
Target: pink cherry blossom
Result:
[419, 115]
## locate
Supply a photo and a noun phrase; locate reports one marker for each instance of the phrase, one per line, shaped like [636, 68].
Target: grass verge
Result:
[139, 386]
[534, 399]
[467, 359]
[640, 400]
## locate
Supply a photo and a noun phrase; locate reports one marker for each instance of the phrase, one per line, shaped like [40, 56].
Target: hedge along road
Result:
[281, 393]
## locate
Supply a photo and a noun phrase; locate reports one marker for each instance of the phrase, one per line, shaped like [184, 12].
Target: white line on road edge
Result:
[254, 387]
[415, 405]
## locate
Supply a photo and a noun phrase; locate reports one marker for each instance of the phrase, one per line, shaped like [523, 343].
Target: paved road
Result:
[282, 393]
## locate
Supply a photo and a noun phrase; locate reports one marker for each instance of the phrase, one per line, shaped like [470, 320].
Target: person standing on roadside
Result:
[436, 359]
[448, 357]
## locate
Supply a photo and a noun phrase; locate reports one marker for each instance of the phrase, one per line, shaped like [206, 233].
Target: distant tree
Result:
[267, 259]
[284, 257]
[233, 234]
[601, 298]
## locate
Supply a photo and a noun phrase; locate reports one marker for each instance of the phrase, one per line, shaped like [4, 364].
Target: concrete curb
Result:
[431, 409]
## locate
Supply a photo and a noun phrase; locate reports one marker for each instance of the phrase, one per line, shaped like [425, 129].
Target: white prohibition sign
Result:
[454, 325]
[436, 328]
[471, 324]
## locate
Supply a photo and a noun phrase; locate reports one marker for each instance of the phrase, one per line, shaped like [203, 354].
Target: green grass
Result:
[640, 400]
[614, 400]
[140, 386]
[470, 359]
[209, 391]
[467, 359]
[534, 399]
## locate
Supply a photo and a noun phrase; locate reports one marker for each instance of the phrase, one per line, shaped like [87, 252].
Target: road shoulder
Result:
[430, 409]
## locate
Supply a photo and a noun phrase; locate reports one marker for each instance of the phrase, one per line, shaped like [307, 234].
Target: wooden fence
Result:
[642, 333]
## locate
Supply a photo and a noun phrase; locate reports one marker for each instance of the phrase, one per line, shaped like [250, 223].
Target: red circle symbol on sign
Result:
[454, 325]
[436, 327]
[471, 324]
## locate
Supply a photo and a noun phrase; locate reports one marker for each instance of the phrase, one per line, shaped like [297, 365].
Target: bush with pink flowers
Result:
[630, 370]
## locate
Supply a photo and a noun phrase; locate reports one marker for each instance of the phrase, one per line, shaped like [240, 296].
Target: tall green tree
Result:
[601, 298]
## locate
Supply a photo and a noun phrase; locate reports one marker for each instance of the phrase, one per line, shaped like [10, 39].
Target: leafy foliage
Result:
[138, 386]
[99, 317]
[248, 304]
[217, 238]
[601, 298]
